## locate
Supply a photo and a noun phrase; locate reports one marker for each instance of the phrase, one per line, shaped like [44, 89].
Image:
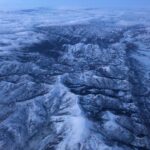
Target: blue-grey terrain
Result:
[74, 80]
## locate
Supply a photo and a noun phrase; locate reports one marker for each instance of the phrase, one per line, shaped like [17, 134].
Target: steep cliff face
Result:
[78, 86]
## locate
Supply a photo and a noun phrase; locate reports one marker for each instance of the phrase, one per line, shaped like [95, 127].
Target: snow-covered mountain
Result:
[74, 80]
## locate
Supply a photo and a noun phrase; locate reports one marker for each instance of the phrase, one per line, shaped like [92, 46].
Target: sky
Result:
[28, 4]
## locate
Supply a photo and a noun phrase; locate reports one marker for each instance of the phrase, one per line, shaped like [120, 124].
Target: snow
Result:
[18, 27]
[76, 126]
[110, 123]
[22, 29]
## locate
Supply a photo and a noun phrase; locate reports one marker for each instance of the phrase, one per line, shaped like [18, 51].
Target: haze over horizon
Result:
[29, 4]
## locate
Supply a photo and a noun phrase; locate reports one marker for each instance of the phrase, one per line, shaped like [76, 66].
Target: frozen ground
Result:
[74, 80]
